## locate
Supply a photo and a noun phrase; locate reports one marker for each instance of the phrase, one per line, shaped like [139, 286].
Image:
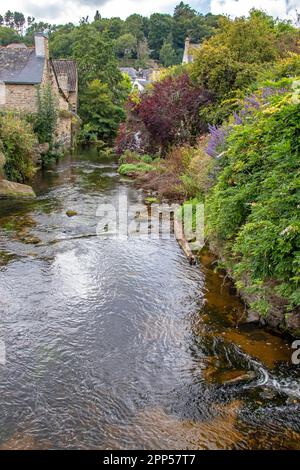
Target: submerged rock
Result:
[71, 213]
[8, 189]
[28, 240]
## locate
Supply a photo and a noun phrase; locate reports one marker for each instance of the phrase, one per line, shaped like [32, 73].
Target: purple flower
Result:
[237, 118]
[217, 139]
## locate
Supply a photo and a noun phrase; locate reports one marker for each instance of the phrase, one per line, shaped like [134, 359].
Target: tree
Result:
[104, 116]
[42, 27]
[95, 57]
[160, 26]
[8, 36]
[167, 54]
[9, 19]
[134, 25]
[61, 42]
[251, 40]
[97, 16]
[102, 88]
[30, 20]
[184, 11]
[113, 27]
[169, 112]
[19, 21]
[17, 142]
[47, 115]
[143, 52]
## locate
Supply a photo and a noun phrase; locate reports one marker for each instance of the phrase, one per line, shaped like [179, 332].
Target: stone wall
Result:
[21, 98]
[73, 100]
[63, 132]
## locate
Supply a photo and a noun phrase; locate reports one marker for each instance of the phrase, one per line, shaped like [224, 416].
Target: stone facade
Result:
[21, 98]
[190, 50]
[37, 70]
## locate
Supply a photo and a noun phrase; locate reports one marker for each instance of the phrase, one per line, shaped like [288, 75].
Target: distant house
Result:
[189, 51]
[23, 69]
[140, 79]
[129, 71]
[140, 84]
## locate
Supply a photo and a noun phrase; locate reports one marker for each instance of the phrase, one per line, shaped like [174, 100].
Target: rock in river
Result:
[8, 189]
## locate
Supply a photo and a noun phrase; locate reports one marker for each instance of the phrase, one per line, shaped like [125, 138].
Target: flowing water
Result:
[120, 343]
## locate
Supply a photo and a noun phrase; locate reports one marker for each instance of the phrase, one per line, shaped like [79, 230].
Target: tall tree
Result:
[134, 25]
[167, 53]
[8, 36]
[19, 21]
[160, 26]
[97, 16]
[184, 11]
[126, 45]
[9, 19]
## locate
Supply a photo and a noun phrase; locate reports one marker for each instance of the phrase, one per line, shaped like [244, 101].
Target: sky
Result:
[63, 11]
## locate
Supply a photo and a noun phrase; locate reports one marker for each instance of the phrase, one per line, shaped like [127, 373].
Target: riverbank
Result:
[162, 181]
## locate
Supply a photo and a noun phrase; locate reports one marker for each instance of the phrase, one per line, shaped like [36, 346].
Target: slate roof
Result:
[130, 71]
[69, 68]
[21, 66]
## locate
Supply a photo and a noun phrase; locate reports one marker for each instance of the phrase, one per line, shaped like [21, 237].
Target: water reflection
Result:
[120, 343]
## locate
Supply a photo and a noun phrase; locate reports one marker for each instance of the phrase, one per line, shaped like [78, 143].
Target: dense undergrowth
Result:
[244, 161]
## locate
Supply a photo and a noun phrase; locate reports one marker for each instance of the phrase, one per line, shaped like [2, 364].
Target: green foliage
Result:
[8, 35]
[104, 115]
[17, 142]
[254, 207]
[251, 40]
[241, 53]
[160, 27]
[61, 42]
[95, 57]
[102, 88]
[167, 54]
[128, 169]
[134, 157]
[126, 45]
[47, 115]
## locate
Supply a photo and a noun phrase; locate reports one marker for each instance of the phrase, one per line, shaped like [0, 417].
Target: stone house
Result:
[23, 69]
[189, 51]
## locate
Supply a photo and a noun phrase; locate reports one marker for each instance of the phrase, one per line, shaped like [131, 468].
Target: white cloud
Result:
[61, 11]
[276, 8]
[72, 10]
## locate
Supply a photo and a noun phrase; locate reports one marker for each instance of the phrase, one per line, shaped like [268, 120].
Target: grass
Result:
[128, 169]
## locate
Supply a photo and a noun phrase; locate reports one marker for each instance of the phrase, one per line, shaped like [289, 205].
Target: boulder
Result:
[9, 190]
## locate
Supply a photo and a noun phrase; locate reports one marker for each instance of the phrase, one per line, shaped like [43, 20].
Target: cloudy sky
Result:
[61, 11]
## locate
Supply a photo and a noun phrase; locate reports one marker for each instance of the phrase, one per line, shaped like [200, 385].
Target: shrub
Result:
[254, 207]
[17, 141]
[128, 169]
[47, 115]
[168, 114]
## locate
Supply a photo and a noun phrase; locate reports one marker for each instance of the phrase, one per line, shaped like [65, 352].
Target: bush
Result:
[128, 169]
[168, 114]
[254, 207]
[17, 142]
[47, 115]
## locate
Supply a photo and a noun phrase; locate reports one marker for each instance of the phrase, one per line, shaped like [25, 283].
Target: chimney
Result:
[41, 45]
[187, 41]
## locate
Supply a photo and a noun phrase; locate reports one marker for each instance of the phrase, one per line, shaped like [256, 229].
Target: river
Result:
[120, 343]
